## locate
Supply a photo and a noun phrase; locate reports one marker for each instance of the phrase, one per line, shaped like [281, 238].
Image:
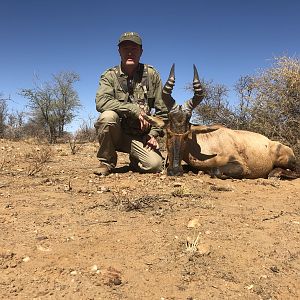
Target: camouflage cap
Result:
[130, 36]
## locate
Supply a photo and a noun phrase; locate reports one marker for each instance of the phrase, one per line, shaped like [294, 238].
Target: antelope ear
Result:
[155, 121]
[205, 128]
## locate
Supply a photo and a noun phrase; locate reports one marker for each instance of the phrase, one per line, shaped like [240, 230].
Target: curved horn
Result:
[198, 89]
[198, 92]
[168, 88]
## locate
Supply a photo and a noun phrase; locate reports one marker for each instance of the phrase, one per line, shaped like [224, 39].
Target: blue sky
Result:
[225, 39]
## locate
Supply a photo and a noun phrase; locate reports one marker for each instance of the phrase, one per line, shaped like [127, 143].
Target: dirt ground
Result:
[66, 233]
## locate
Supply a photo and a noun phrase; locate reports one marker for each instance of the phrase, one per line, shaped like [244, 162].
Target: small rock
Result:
[274, 269]
[198, 180]
[203, 249]
[193, 223]
[94, 268]
[41, 238]
[26, 259]
[111, 276]
[73, 273]
[104, 189]
[43, 249]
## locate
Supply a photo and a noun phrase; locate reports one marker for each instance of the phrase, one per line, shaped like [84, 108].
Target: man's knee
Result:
[108, 116]
[154, 163]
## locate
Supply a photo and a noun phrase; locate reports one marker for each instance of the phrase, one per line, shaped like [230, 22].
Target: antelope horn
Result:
[198, 89]
[168, 88]
[198, 92]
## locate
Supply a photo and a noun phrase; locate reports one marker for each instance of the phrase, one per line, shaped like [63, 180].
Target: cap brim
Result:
[129, 40]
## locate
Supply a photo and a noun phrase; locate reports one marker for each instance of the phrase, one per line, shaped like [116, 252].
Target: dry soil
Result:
[66, 233]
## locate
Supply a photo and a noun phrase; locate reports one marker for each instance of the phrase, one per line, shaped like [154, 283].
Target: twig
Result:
[3, 185]
[99, 222]
[273, 217]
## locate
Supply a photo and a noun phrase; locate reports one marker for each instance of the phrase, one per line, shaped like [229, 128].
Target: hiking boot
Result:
[134, 166]
[103, 169]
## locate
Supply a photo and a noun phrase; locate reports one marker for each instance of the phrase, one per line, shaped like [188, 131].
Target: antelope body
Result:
[239, 154]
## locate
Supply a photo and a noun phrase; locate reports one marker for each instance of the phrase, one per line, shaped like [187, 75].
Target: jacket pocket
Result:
[120, 95]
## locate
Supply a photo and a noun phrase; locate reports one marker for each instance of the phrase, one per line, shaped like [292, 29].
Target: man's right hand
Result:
[145, 125]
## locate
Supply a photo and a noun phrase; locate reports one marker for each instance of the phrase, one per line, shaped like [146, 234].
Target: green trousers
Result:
[112, 139]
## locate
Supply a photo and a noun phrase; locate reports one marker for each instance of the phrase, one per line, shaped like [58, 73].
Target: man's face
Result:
[130, 53]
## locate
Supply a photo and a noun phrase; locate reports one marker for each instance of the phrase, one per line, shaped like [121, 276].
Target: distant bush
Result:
[273, 102]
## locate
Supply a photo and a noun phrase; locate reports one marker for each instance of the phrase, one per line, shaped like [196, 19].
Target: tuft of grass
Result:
[181, 192]
[126, 203]
[37, 158]
[192, 244]
[75, 145]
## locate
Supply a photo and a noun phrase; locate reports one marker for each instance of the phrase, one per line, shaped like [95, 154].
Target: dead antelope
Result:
[217, 150]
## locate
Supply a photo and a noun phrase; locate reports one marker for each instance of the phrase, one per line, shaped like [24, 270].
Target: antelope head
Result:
[178, 127]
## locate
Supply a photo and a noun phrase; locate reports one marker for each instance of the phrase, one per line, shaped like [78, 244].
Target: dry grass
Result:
[192, 243]
[37, 158]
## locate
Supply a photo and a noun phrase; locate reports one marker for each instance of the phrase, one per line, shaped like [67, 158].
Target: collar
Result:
[135, 74]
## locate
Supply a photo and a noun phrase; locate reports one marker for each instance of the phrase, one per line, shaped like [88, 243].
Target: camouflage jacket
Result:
[112, 95]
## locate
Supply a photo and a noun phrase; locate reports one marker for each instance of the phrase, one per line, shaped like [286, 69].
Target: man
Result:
[126, 92]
